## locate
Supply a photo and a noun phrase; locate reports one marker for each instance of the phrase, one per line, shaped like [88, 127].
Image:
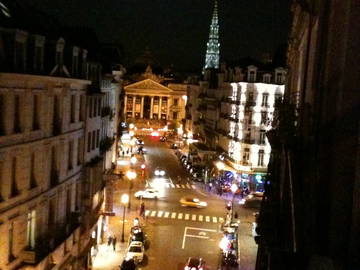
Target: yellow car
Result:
[192, 202]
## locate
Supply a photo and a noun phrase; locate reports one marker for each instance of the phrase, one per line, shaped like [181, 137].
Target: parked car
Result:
[148, 193]
[128, 264]
[194, 264]
[137, 235]
[174, 146]
[139, 142]
[136, 251]
[192, 202]
[163, 139]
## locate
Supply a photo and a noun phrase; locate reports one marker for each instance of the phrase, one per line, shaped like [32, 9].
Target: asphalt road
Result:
[177, 232]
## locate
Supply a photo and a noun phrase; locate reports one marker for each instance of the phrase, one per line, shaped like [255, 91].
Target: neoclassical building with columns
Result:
[149, 100]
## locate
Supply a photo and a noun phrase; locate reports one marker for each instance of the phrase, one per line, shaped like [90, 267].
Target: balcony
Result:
[106, 144]
[248, 141]
[250, 103]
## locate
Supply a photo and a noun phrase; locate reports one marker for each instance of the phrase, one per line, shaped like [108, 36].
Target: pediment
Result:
[147, 84]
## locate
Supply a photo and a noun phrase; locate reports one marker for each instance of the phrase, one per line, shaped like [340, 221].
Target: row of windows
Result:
[12, 107]
[93, 140]
[94, 108]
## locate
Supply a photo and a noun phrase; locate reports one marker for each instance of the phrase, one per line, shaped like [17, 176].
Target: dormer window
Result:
[20, 50]
[75, 62]
[60, 53]
[279, 76]
[252, 76]
[39, 53]
[267, 78]
[252, 73]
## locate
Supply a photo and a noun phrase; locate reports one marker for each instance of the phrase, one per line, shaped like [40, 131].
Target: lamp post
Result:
[234, 188]
[130, 175]
[124, 201]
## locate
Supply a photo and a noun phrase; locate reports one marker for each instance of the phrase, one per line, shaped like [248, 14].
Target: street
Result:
[176, 232]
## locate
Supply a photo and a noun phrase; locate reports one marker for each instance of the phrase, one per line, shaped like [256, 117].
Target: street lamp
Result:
[234, 188]
[124, 201]
[133, 160]
[130, 175]
[220, 165]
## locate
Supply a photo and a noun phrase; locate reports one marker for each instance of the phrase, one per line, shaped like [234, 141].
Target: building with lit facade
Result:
[232, 110]
[51, 153]
[150, 104]
[310, 216]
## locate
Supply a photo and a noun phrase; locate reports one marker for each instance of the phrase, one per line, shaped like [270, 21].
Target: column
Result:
[125, 105]
[168, 109]
[142, 108]
[160, 101]
[151, 107]
[133, 108]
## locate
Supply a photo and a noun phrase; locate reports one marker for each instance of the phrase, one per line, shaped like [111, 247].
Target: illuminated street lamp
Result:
[220, 165]
[133, 160]
[131, 175]
[124, 201]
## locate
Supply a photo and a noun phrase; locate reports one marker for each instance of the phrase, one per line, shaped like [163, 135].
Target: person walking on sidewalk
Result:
[110, 240]
[114, 243]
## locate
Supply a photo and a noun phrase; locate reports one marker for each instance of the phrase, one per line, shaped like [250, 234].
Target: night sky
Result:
[176, 31]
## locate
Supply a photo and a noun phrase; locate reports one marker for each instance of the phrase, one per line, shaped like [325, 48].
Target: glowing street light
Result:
[133, 160]
[131, 126]
[220, 165]
[124, 201]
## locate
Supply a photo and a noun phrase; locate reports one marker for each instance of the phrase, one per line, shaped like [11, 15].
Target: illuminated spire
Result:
[213, 45]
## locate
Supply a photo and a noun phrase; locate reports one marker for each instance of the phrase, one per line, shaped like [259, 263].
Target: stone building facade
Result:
[51, 161]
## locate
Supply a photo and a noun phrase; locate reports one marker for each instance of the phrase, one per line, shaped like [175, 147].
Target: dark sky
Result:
[176, 31]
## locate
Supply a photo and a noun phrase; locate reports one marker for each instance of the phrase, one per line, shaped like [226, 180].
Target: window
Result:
[20, 56]
[52, 214]
[99, 107]
[250, 118]
[262, 137]
[175, 115]
[54, 177]
[31, 229]
[93, 140]
[176, 102]
[90, 107]
[89, 142]
[80, 151]
[246, 155]
[279, 78]
[250, 97]
[75, 62]
[17, 126]
[14, 189]
[95, 103]
[36, 114]
[261, 158]
[81, 111]
[97, 138]
[33, 183]
[252, 76]
[264, 101]
[266, 78]
[56, 116]
[38, 58]
[263, 117]
[72, 108]
[70, 155]
[68, 203]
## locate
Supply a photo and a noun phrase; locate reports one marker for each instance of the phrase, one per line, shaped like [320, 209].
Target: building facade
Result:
[310, 216]
[148, 103]
[51, 161]
[232, 110]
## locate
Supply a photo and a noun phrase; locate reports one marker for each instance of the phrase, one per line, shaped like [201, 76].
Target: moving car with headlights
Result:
[195, 264]
[159, 172]
[253, 200]
[136, 251]
[192, 202]
[148, 193]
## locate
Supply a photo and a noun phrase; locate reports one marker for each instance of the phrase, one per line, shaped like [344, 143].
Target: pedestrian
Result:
[110, 239]
[142, 210]
[114, 243]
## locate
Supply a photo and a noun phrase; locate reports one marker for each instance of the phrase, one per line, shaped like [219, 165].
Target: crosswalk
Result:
[183, 216]
[174, 186]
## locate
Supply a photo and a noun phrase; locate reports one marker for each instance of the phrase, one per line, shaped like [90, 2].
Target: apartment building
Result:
[51, 155]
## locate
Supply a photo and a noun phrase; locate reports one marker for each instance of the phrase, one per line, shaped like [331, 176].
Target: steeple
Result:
[213, 45]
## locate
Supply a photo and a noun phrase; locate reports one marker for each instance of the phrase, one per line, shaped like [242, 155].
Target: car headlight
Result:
[156, 172]
[162, 173]
[203, 203]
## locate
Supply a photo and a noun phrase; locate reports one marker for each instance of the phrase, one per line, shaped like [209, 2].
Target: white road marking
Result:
[167, 185]
[147, 212]
[200, 218]
[180, 215]
[167, 214]
[172, 185]
[201, 234]
[153, 213]
[187, 216]
[193, 186]
[173, 215]
[183, 186]
[193, 217]
[188, 186]
[177, 185]
[201, 229]
[214, 219]
[207, 219]
[160, 214]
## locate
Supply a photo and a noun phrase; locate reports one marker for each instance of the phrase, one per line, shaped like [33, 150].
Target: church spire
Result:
[213, 45]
